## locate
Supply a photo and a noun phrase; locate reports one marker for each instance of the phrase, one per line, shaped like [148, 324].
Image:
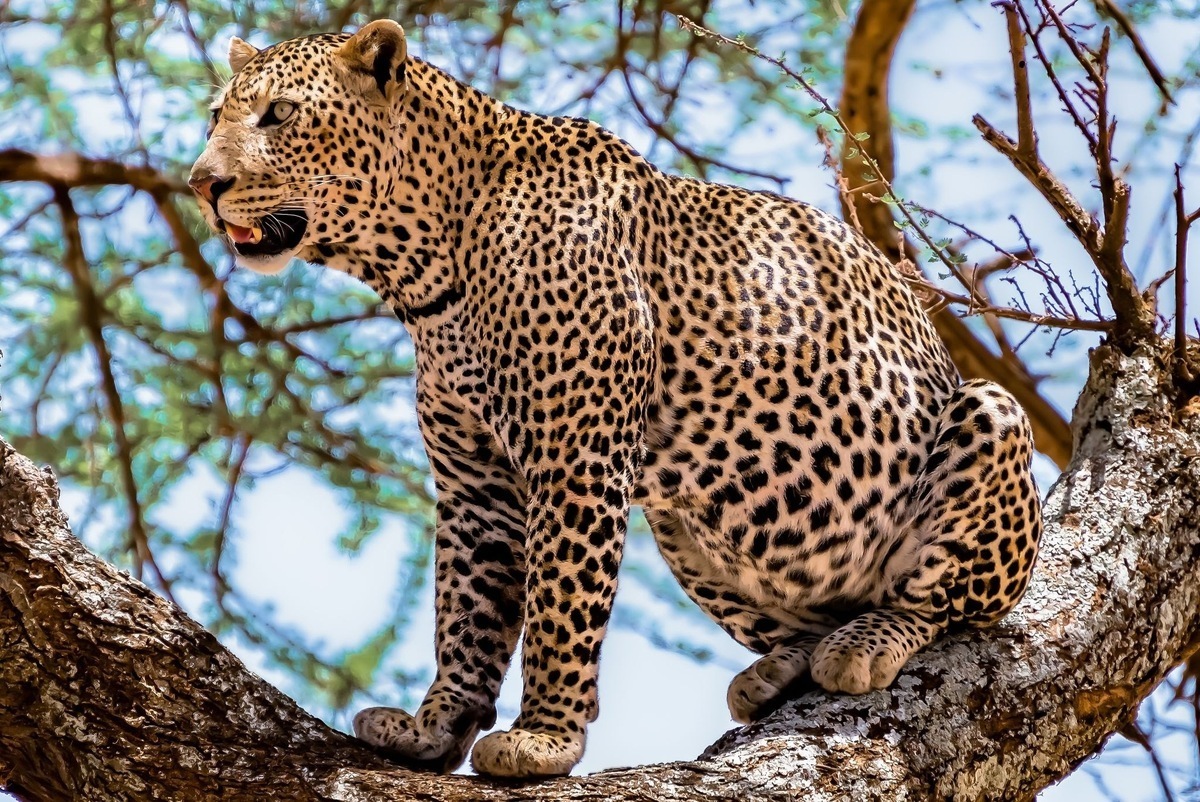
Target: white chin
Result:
[267, 265]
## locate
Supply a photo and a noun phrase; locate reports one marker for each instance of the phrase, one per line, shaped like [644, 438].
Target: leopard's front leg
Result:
[576, 531]
[480, 579]
[577, 433]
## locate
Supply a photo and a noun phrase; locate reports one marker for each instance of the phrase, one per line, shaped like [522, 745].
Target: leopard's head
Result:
[298, 140]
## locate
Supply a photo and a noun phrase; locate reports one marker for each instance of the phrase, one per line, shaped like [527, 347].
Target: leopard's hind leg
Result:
[974, 522]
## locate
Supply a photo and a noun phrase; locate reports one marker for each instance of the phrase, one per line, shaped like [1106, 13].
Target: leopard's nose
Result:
[209, 186]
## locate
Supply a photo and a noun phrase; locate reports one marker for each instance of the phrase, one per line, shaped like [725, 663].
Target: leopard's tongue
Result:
[241, 234]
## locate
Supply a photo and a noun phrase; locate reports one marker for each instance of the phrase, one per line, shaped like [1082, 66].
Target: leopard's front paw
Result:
[524, 753]
[435, 740]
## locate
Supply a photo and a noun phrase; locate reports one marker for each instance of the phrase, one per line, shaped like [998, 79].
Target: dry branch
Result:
[1183, 224]
[1027, 142]
[865, 105]
[1103, 242]
[108, 692]
[1126, 25]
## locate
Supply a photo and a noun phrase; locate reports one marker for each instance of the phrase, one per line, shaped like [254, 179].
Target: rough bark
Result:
[109, 692]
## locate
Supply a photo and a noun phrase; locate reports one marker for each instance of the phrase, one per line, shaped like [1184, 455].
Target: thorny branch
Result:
[878, 27]
[1134, 312]
[977, 303]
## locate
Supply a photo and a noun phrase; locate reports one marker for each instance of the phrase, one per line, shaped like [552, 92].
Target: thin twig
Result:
[845, 193]
[660, 128]
[110, 48]
[1012, 313]
[1122, 19]
[242, 446]
[1183, 223]
[90, 309]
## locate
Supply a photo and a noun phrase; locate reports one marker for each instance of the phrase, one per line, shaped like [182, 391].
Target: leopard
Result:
[593, 334]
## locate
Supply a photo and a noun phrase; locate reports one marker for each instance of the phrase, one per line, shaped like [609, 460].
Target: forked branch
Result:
[1134, 311]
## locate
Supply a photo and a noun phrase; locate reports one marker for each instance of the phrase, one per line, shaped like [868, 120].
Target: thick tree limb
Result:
[110, 692]
[73, 170]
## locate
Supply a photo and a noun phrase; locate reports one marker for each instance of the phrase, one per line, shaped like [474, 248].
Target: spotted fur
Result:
[591, 334]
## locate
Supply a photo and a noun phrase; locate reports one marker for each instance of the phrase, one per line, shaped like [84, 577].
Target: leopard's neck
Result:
[442, 148]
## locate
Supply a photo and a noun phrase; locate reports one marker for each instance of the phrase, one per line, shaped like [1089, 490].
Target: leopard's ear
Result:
[240, 51]
[375, 59]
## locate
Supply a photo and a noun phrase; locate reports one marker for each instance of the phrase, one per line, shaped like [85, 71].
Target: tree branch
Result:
[865, 106]
[1105, 244]
[1027, 142]
[151, 706]
[867, 111]
[1183, 223]
[1134, 316]
[72, 170]
[1123, 21]
[91, 309]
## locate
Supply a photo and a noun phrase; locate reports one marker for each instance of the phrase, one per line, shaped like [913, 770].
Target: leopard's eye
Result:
[212, 123]
[278, 112]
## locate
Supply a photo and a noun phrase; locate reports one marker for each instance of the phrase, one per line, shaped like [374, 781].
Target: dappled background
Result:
[246, 445]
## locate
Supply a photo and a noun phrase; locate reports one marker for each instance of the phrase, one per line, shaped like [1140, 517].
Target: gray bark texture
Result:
[108, 692]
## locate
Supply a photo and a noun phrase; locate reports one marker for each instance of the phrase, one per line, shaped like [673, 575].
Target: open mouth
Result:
[270, 235]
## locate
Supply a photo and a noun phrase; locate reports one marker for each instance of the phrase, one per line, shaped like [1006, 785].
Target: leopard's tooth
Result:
[255, 234]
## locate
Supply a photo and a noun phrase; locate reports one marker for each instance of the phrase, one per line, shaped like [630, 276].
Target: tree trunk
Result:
[109, 692]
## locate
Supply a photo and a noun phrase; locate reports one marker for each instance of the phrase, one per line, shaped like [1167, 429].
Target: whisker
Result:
[321, 180]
